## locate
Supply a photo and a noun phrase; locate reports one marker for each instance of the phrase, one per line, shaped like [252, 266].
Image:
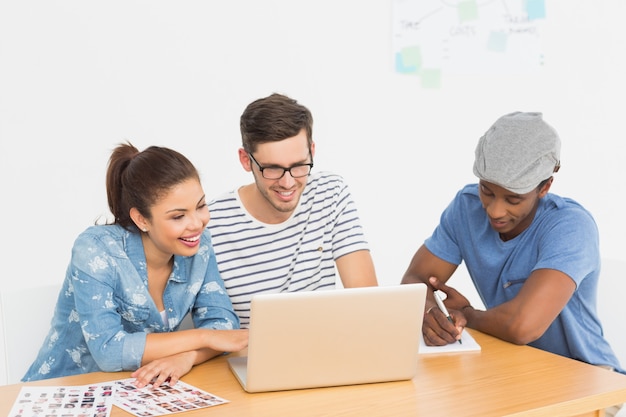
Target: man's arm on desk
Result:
[528, 315]
[521, 320]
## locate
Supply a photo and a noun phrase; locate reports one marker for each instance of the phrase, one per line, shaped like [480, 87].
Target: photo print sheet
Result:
[162, 400]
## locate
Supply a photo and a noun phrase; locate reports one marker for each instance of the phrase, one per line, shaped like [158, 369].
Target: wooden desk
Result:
[502, 380]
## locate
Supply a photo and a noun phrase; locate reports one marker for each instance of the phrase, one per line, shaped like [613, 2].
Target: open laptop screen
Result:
[333, 337]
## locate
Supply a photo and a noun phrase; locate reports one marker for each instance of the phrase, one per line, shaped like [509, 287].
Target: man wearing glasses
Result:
[290, 228]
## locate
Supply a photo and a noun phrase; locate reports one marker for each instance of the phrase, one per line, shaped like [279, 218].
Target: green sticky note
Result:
[431, 78]
[467, 10]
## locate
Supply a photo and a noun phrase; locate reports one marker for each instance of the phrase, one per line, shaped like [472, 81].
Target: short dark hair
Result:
[274, 118]
[542, 183]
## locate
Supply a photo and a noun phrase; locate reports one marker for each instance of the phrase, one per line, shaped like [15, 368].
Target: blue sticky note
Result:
[409, 60]
[536, 9]
[496, 41]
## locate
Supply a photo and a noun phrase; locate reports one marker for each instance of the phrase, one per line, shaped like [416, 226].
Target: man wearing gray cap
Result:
[533, 256]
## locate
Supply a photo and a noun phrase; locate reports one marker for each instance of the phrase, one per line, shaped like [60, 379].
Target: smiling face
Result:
[274, 200]
[178, 220]
[509, 213]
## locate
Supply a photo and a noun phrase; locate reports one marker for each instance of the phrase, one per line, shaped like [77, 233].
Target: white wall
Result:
[77, 77]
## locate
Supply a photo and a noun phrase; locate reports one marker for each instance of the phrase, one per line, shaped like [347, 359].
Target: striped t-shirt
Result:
[296, 255]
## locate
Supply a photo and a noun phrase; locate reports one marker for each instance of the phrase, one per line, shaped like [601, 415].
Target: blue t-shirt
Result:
[563, 236]
[104, 310]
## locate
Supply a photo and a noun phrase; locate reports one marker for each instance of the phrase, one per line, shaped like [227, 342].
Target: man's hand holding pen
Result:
[443, 323]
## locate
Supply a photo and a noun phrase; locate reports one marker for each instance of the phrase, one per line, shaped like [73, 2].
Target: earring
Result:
[144, 230]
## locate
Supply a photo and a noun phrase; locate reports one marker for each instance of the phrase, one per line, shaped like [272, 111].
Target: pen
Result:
[443, 308]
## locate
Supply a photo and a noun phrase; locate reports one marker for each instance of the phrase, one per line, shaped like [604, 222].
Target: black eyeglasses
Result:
[276, 172]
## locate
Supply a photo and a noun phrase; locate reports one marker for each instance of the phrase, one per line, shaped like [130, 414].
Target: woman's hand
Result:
[173, 367]
[169, 368]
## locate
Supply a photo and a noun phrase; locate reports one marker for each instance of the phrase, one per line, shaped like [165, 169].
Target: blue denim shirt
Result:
[104, 310]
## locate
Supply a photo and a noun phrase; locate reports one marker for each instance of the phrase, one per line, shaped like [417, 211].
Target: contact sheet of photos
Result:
[96, 400]
[93, 400]
[161, 400]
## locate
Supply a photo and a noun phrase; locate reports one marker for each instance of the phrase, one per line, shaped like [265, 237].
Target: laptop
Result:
[332, 337]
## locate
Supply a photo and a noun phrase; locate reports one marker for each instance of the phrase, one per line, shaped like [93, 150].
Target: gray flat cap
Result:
[518, 152]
